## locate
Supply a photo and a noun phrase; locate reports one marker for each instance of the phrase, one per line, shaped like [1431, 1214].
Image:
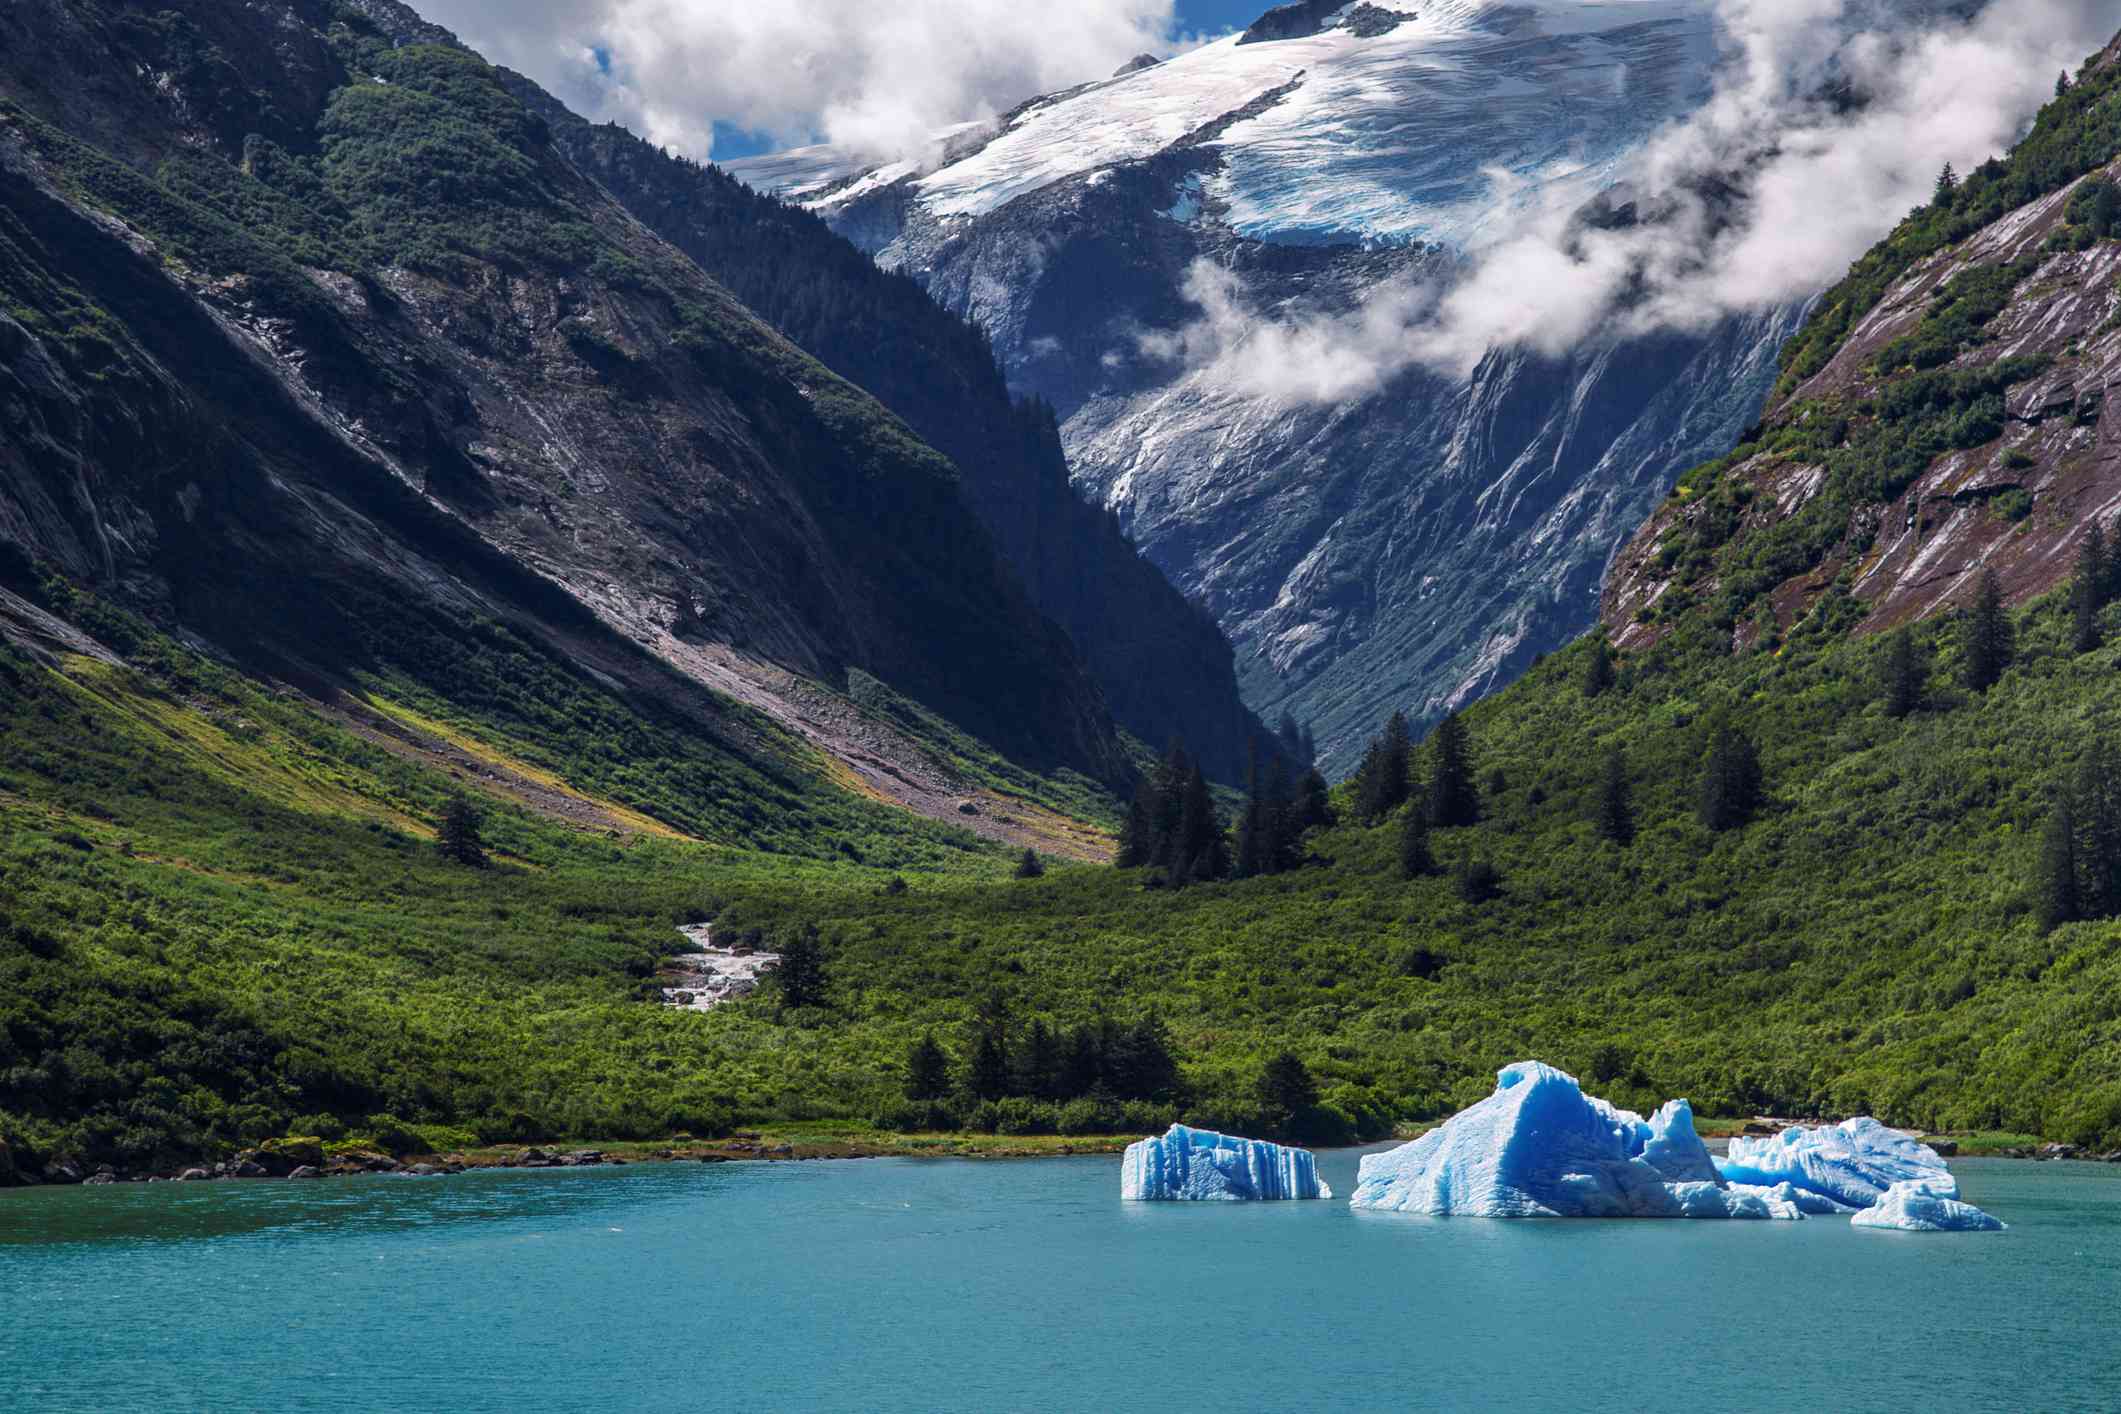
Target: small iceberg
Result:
[1852, 1164]
[1196, 1165]
[1541, 1148]
[1915, 1207]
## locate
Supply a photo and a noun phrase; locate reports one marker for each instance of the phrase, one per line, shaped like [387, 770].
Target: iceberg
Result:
[1853, 1163]
[1199, 1165]
[1914, 1206]
[1541, 1148]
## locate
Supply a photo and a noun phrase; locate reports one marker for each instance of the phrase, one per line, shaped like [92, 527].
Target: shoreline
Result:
[799, 1145]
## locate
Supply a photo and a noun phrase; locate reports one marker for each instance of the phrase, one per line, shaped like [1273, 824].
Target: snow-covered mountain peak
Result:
[1397, 122]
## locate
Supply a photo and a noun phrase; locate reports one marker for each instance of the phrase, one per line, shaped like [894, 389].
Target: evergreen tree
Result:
[1616, 803]
[1598, 668]
[1415, 860]
[1201, 851]
[1138, 1061]
[1082, 1067]
[2087, 592]
[1947, 187]
[1453, 799]
[987, 1073]
[801, 970]
[1730, 779]
[1986, 637]
[1039, 1063]
[1903, 679]
[1314, 802]
[2063, 84]
[1137, 833]
[459, 838]
[927, 1070]
[1168, 788]
[1478, 881]
[1030, 866]
[2059, 900]
[2096, 813]
[1253, 845]
[1283, 836]
[1382, 785]
[1286, 1088]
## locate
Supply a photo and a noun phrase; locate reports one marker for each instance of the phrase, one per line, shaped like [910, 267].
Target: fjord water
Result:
[1026, 1285]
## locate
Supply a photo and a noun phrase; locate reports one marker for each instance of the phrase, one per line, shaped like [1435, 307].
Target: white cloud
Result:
[880, 77]
[1816, 186]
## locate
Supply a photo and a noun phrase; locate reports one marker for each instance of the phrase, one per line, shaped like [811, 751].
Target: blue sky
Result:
[1194, 17]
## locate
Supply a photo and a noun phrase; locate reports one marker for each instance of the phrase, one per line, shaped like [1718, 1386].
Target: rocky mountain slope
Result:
[1415, 544]
[1946, 413]
[1164, 665]
[317, 349]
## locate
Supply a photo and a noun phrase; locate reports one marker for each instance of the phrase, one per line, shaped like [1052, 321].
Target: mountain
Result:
[320, 351]
[1165, 667]
[1415, 545]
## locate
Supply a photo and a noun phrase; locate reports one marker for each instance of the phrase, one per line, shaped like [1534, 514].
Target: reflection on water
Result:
[917, 1285]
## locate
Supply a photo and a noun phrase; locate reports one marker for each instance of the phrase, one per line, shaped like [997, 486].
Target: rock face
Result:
[1852, 1163]
[2022, 309]
[1199, 1165]
[1165, 667]
[516, 407]
[1916, 1207]
[1412, 545]
[1540, 1148]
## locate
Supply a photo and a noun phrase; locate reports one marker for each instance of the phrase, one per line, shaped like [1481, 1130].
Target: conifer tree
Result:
[1415, 860]
[2059, 901]
[1986, 637]
[1030, 866]
[1730, 779]
[1904, 674]
[1382, 785]
[1201, 852]
[2096, 813]
[801, 970]
[459, 838]
[1314, 802]
[2063, 84]
[1598, 668]
[2088, 592]
[1168, 793]
[1137, 833]
[1453, 798]
[1286, 1088]
[1291, 738]
[1478, 880]
[1039, 1062]
[927, 1070]
[1947, 186]
[1616, 803]
[987, 1072]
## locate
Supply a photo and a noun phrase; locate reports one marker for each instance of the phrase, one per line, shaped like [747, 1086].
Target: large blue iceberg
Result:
[1852, 1163]
[1541, 1148]
[1196, 1164]
[1916, 1207]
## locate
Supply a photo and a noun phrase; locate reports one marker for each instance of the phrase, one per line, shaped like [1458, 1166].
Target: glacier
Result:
[1541, 1148]
[1914, 1206]
[1197, 1165]
[1853, 1163]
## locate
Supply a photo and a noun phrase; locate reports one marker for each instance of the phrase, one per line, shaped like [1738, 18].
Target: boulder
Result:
[249, 1168]
[423, 1170]
[98, 1178]
[62, 1171]
[306, 1171]
[194, 1175]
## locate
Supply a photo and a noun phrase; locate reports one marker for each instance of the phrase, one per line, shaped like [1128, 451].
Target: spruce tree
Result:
[1280, 835]
[1168, 799]
[1598, 668]
[1478, 881]
[1904, 674]
[1039, 1062]
[1986, 636]
[1286, 1088]
[1947, 186]
[2088, 592]
[459, 837]
[2096, 812]
[1291, 738]
[1415, 860]
[1253, 846]
[1137, 833]
[987, 1073]
[2063, 84]
[2059, 900]
[801, 970]
[1030, 866]
[1616, 803]
[1314, 802]
[1453, 799]
[927, 1070]
[1382, 785]
[1730, 779]
[1201, 852]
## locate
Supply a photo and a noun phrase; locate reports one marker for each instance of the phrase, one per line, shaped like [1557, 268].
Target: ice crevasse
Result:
[1541, 1148]
[1198, 1164]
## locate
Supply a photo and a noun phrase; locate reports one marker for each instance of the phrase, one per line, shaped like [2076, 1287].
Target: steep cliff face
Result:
[1164, 665]
[1945, 413]
[1410, 545]
[309, 329]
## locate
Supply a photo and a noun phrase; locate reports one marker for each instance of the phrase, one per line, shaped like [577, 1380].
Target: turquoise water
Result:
[913, 1285]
